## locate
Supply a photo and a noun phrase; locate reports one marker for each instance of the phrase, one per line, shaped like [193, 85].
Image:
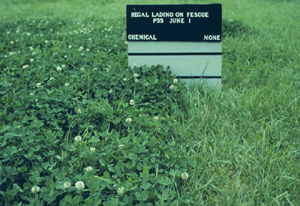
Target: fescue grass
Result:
[242, 144]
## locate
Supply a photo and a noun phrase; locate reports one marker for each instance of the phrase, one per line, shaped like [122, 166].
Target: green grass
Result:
[239, 146]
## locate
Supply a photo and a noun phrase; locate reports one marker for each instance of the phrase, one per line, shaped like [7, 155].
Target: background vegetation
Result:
[67, 115]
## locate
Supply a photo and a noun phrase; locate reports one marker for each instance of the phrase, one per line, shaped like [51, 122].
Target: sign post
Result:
[185, 37]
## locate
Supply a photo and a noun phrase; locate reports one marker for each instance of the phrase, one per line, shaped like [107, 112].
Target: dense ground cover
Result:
[80, 128]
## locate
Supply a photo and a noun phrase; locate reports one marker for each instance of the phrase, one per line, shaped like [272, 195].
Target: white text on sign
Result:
[212, 37]
[174, 17]
[171, 21]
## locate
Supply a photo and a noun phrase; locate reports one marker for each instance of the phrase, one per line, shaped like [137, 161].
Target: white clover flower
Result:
[125, 79]
[25, 66]
[51, 78]
[58, 68]
[89, 169]
[46, 41]
[156, 117]
[38, 85]
[80, 48]
[92, 149]
[120, 190]
[87, 50]
[70, 46]
[31, 94]
[33, 53]
[82, 69]
[175, 81]
[79, 111]
[121, 146]
[12, 42]
[63, 66]
[78, 138]
[79, 185]
[67, 84]
[65, 56]
[126, 42]
[30, 48]
[184, 176]
[35, 189]
[172, 86]
[95, 68]
[135, 75]
[136, 80]
[131, 102]
[128, 120]
[31, 60]
[67, 185]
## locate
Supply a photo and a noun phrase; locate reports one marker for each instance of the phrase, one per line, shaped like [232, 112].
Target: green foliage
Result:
[234, 28]
[77, 127]
[58, 85]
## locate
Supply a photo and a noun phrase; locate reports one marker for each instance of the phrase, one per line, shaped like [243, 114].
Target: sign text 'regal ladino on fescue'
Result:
[185, 37]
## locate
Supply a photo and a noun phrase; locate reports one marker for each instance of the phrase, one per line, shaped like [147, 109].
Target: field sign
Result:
[185, 37]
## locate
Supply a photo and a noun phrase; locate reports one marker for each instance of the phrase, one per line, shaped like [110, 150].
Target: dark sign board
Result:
[185, 37]
[189, 22]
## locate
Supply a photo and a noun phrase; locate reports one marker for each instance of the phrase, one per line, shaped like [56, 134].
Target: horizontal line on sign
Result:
[174, 47]
[199, 77]
[175, 54]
